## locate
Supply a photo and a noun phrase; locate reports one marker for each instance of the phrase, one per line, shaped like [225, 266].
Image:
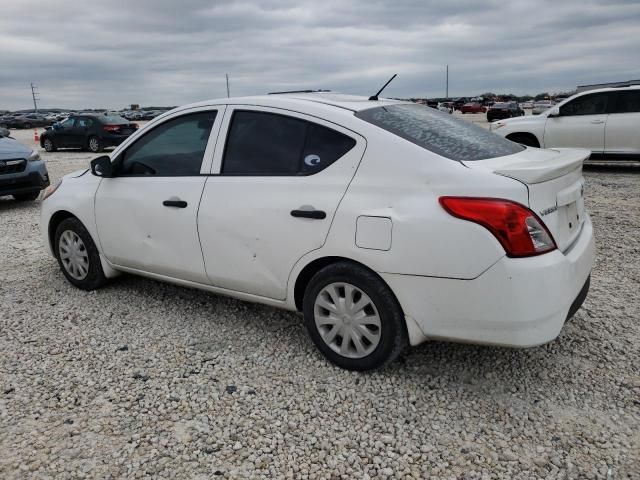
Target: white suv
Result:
[605, 121]
[384, 222]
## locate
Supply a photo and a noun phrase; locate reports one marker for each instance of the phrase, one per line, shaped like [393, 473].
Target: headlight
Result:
[50, 190]
[34, 157]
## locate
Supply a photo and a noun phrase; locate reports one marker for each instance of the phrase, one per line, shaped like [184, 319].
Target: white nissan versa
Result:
[605, 121]
[386, 223]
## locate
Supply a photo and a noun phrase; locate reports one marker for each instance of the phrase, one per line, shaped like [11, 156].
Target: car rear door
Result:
[580, 124]
[278, 180]
[146, 215]
[622, 132]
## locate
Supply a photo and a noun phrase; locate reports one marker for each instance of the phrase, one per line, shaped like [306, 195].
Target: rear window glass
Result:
[113, 119]
[439, 132]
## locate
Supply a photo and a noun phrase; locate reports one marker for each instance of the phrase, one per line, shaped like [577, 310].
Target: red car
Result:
[473, 107]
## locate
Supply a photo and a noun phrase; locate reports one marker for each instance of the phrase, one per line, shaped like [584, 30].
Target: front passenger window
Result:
[595, 104]
[174, 148]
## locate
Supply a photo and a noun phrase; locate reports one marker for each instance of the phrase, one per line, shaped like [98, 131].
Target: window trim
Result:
[152, 125]
[220, 154]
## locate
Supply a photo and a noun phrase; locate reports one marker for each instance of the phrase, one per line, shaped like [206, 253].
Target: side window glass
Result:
[595, 104]
[174, 148]
[323, 147]
[626, 102]
[261, 143]
[82, 123]
[68, 123]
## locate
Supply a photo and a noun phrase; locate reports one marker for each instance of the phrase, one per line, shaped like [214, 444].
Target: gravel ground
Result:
[144, 379]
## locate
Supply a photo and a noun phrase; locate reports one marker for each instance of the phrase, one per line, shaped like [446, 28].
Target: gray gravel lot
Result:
[144, 379]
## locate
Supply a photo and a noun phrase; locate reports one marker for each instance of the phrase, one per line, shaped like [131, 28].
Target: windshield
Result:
[439, 132]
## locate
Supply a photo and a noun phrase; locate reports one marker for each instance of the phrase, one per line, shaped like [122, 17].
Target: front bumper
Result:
[34, 178]
[517, 302]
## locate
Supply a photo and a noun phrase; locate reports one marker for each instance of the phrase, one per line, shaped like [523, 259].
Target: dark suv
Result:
[93, 132]
[498, 111]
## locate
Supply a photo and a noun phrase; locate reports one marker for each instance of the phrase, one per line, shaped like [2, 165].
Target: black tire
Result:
[26, 197]
[94, 278]
[393, 329]
[94, 144]
[48, 145]
[524, 139]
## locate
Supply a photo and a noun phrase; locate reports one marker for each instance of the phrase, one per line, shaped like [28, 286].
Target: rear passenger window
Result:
[626, 102]
[261, 143]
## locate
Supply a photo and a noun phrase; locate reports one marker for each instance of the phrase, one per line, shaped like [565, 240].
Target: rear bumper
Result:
[518, 302]
[113, 140]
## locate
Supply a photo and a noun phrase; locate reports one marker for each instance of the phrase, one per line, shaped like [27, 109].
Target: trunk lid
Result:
[554, 180]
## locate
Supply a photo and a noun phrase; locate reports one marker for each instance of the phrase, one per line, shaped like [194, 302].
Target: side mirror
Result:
[102, 167]
[555, 112]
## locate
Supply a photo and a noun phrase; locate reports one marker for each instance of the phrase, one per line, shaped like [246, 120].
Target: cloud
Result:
[162, 52]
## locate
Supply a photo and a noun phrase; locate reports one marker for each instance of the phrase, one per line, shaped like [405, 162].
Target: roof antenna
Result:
[375, 97]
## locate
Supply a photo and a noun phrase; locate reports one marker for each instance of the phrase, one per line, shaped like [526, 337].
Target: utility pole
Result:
[447, 82]
[34, 95]
[227, 75]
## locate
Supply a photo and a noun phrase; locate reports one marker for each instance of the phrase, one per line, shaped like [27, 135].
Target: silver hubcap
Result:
[73, 254]
[347, 320]
[47, 144]
[93, 144]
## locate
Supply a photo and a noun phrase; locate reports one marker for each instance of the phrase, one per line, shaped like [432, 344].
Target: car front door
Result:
[622, 134]
[63, 132]
[78, 133]
[277, 183]
[146, 215]
[580, 124]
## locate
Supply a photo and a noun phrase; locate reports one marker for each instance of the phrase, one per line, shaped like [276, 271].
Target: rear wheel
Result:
[48, 145]
[26, 197]
[95, 145]
[353, 317]
[524, 139]
[78, 256]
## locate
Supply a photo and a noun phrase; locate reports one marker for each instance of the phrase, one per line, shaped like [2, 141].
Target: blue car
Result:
[22, 172]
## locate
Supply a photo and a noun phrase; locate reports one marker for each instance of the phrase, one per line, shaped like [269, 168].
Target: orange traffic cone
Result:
[36, 138]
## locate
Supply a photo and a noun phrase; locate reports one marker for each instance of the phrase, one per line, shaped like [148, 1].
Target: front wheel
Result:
[78, 256]
[48, 145]
[95, 145]
[353, 317]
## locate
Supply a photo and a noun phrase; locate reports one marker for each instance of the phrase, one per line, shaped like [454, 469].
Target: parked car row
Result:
[25, 120]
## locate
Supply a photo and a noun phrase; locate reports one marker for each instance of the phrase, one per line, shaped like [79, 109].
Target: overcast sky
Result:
[83, 53]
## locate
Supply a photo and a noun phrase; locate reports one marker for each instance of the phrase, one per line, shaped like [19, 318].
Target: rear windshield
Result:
[439, 132]
[113, 119]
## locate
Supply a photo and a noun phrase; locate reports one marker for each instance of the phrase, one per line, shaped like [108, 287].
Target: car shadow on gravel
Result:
[8, 203]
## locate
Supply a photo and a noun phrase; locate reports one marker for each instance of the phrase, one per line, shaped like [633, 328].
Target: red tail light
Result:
[111, 128]
[520, 232]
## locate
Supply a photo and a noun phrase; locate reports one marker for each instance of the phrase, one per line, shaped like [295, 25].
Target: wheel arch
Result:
[55, 220]
[512, 136]
[308, 271]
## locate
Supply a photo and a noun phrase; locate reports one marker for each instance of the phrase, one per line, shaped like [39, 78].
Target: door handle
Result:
[596, 122]
[175, 203]
[314, 214]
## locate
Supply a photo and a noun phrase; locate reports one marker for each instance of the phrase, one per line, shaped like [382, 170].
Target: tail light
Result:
[111, 128]
[520, 232]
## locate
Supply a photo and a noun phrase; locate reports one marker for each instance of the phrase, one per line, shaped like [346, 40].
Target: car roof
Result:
[353, 103]
[610, 89]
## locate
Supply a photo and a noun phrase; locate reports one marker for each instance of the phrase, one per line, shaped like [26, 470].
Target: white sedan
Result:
[386, 223]
[605, 121]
